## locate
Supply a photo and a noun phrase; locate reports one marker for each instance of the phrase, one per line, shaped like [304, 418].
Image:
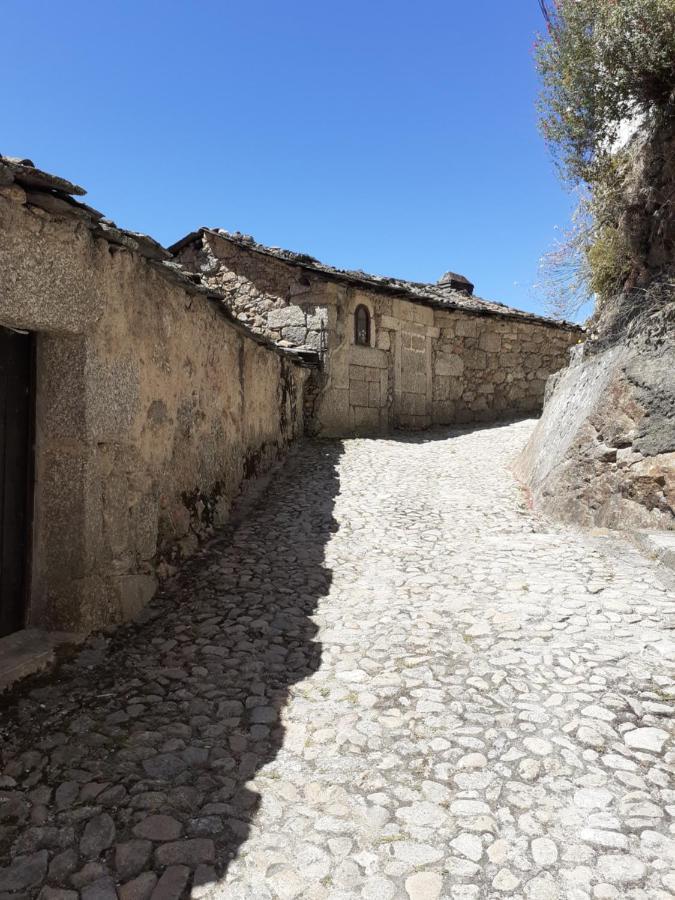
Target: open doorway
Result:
[16, 472]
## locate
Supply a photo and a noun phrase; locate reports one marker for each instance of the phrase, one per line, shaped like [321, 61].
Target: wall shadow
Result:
[173, 714]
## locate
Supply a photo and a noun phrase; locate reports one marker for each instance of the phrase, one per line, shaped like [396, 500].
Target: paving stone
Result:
[505, 881]
[190, 852]
[139, 888]
[542, 888]
[596, 837]
[91, 871]
[164, 765]
[469, 845]
[172, 884]
[395, 684]
[652, 739]
[99, 834]
[131, 858]
[424, 886]
[102, 889]
[24, 872]
[621, 869]
[203, 881]
[544, 852]
[52, 893]
[159, 828]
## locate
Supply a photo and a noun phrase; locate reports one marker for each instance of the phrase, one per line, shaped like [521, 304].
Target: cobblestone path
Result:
[398, 685]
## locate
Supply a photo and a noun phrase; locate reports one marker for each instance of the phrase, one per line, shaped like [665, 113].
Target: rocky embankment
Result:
[603, 452]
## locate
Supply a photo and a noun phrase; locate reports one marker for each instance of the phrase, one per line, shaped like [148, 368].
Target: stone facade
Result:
[152, 404]
[486, 368]
[437, 355]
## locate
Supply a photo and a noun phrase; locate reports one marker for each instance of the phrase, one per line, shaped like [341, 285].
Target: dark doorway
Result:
[15, 474]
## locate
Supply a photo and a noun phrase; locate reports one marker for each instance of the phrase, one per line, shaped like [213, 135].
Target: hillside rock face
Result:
[603, 452]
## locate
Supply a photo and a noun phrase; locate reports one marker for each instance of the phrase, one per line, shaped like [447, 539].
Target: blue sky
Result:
[395, 137]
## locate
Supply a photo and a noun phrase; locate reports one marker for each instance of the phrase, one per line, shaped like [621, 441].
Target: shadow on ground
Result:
[171, 716]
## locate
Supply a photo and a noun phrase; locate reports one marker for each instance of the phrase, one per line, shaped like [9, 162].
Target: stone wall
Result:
[487, 368]
[263, 292]
[425, 365]
[603, 452]
[152, 407]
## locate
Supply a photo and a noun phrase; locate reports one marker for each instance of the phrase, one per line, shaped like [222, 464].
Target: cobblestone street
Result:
[392, 681]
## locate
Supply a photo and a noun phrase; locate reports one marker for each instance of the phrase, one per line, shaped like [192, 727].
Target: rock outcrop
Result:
[603, 452]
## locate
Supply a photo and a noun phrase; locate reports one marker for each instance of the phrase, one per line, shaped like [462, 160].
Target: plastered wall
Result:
[151, 409]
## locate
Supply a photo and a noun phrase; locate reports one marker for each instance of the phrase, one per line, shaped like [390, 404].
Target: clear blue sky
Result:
[395, 137]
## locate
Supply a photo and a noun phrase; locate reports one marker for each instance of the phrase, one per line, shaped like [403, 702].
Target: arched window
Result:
[362, 326]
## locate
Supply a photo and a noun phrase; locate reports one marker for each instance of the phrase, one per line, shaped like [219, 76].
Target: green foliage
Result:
[609, 262]
[604, 64]
[607, 67]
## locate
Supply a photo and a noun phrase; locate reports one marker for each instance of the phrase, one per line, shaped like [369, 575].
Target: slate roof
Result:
[56, 195]
[442, 295]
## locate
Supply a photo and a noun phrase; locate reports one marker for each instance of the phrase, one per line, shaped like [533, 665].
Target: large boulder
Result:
[603, 452]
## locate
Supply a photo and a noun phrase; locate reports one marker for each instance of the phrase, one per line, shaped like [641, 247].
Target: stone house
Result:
[133, 405]
[140, 387]
[395, 353]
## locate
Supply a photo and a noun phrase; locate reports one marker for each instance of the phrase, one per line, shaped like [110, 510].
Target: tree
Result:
[603, 64]
[608, 73]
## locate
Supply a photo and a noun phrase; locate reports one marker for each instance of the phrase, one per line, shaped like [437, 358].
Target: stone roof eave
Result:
[391, 290]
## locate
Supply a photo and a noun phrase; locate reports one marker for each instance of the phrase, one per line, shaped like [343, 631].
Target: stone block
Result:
[448, 364]
[413, 404]
[383, 340]
[296, 334]
[313, 340]
[374, 394]
[368, 356]
[286, 316]
[60, 389]
[490, 341]
[441, 388]
[475, 359]
[390, 322]
[317, 318]
[365, 419]
[358, 393]
[134, 592]
[414, 382]
[403, 311]
[466, 326]
[424, 315]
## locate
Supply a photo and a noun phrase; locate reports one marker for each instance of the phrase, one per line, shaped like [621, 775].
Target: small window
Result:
[362, 326]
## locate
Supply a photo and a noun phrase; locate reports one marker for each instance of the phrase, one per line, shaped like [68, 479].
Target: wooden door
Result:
[15, 475]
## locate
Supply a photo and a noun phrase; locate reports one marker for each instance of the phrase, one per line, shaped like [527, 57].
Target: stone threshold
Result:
[29, 651]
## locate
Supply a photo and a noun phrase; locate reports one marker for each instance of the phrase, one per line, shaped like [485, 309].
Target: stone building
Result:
[140, 387]
[132, 407]
[395, 353]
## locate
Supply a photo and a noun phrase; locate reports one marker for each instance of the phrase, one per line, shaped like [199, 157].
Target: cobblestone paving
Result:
[401, 685]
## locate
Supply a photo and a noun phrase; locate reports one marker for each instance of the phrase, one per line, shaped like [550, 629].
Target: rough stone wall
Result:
[286, 305]
[152, 408]
[486, 368]
[603, 452]
[424, 366]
